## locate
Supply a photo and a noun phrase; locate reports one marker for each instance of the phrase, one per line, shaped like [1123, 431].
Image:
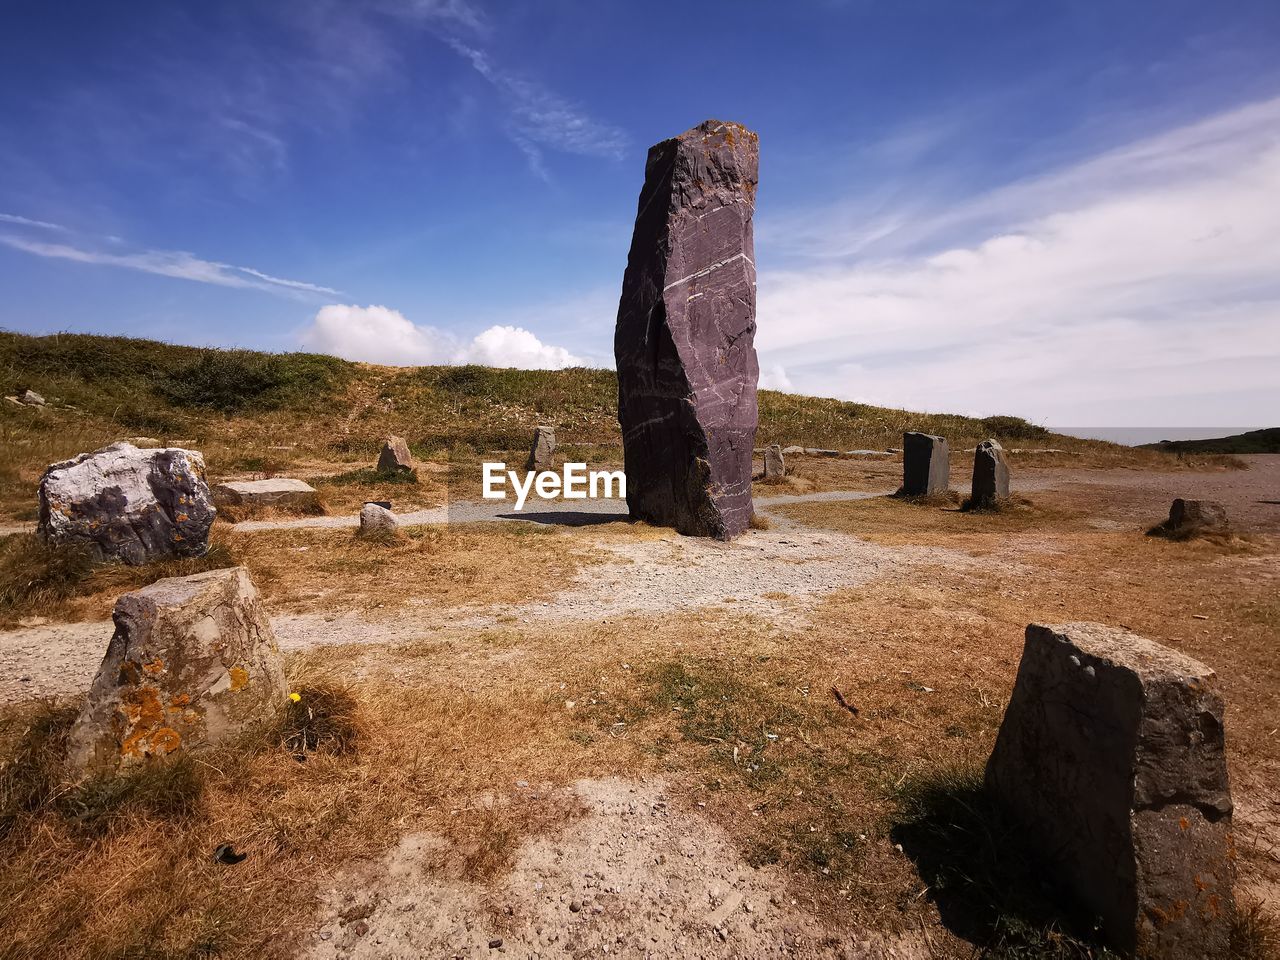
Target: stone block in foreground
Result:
[285, 493]
[990, 476]
[377, 521]
[1111, 757]
[684, 342]
[542, 455]
[1194, 518]
[926, 465]
[128, 504]
[192, 661]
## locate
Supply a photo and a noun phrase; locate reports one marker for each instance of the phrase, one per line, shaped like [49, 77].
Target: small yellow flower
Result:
[295, 697]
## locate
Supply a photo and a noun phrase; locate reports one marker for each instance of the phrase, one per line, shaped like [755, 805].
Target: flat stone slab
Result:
[284, 492]
[1111, 756]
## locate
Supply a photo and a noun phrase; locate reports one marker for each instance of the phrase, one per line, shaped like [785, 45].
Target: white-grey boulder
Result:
[377, 521]
[128, 504]
[287, 493]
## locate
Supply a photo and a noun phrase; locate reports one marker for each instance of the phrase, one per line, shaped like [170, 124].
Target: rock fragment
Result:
[192, 661]
[1194, 518]
[1111, 756]
[285, 493]
[31, 398]
[775, 467]
[926, 465]
[128, 504]
[394, 457]
[543, 452]
[684, 342]
[377, 522]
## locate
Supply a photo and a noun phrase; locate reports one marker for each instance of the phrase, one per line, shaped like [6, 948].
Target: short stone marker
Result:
[926, 465]
[685, 337]
[775, 467]
[128, 504]
[1111, 757]
[193, 661]
[542, 455]
[286, 493]
[394, 457]
[1194, 518]
[377, 521]
[990, 476]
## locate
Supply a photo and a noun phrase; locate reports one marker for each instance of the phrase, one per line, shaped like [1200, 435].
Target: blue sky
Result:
[1062, 210]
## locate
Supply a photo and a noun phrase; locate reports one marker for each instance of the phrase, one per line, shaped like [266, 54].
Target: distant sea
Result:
[1135, 436]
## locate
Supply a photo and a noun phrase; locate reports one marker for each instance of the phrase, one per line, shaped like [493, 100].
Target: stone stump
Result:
[394, 457]
[285, 493]
[775, 468]
[926, 465]
[1194, 518]
[193, 661]
[542, 455]
[684, 342]
[128, 504]
[377, 522]
[990, 476]
[1111, 757]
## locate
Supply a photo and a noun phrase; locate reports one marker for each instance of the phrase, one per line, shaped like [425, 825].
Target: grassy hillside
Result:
[314, 415]
[1254, 441]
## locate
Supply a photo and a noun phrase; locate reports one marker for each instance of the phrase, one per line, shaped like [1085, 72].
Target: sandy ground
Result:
[635, 874]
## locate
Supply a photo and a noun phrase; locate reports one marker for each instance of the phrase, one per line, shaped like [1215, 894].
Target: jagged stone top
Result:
[1151, 661]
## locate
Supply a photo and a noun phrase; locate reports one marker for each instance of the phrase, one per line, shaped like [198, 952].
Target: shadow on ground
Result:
[567, 518]
[988, 888]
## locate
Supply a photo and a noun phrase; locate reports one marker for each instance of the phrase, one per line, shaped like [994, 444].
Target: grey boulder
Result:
[377, 521]
[394, 457]
[192, 662]
[1111, 757]
[990, 476]
[128, 504]
[285, 493]
[1194, 518]
[543, 452]
[775, 467]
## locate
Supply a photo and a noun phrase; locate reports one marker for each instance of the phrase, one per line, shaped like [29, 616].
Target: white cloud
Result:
[169, 263]
[774, 377]
[1139, 288]
[26, 222]
[377, 334]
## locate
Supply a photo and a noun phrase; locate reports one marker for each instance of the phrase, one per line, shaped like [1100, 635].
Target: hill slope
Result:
[1253, 441]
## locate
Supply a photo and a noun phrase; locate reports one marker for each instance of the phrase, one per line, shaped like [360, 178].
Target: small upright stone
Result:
[395, 456]
[926, 465]
[990, 476]
[775, 468]
[542, 455]
[1194, 518]
[1111, 756]
[377, 522]
[128, 504]
[684, 343]
[193, 661]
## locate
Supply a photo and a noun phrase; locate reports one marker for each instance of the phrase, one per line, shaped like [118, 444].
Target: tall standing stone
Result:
[193, 661]
[394, 457]
[926, 465]
[684, 342]
[1111, 756]
[990, 476]
[775, 468]
[542, 455]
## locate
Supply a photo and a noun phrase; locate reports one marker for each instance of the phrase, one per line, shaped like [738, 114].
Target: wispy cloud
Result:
[27, 222]
[1137, 287]
[170, 263]
[538, 117]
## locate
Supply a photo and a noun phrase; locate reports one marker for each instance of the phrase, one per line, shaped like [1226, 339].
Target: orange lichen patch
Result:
[154, 667]
[1185, 824]
[181, 700]
[181, 518]
[239, 677]
[143, 708]
[158, 742]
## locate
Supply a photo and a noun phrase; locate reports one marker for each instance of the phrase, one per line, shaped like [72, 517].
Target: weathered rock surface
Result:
[542, 455]
[1111, 756]
[395, 456]
[775, 467]
[31, 398]
[286, 493]
[377, 521]
[128, 504]
[926, 465]
[684, 343]
[820, 452]
[1194, 518]
[990, 476]
[792, 451]
[193, 661]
